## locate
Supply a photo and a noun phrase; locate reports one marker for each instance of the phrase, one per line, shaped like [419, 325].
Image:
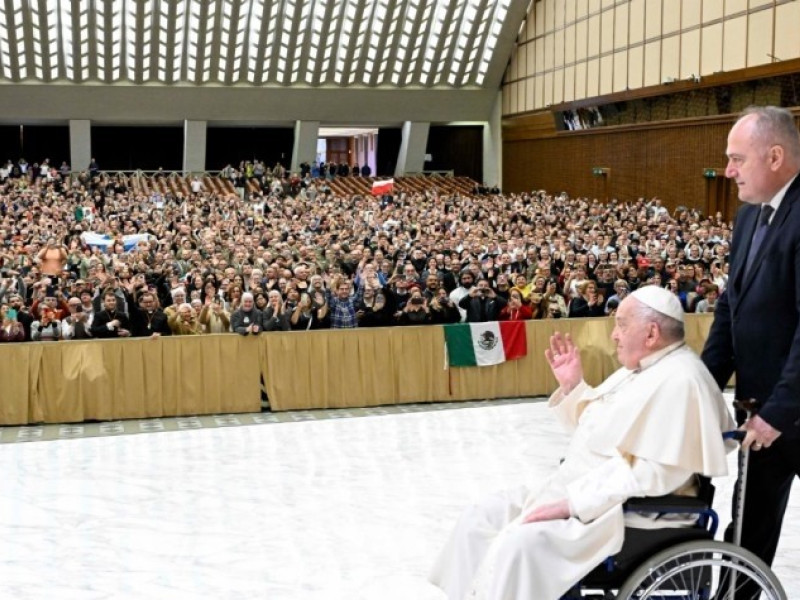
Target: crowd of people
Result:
[278, 179]
[84, 256]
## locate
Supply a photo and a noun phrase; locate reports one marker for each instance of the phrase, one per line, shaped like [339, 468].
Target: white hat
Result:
[660, 300]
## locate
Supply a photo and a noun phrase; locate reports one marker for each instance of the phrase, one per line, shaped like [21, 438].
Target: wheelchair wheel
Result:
[703, 570]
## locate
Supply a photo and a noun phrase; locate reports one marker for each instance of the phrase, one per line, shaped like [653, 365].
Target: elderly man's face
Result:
[247, 303]
[633, 335]
[752, 163]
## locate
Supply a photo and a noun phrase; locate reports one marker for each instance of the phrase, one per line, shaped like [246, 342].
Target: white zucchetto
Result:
[660, 300]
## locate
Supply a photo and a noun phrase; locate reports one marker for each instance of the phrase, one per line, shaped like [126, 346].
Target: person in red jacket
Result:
[516, 309]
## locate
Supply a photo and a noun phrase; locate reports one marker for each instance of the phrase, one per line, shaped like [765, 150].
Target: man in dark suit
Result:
[756, 332]
[110, 322]
[482, 304]
[147, 319]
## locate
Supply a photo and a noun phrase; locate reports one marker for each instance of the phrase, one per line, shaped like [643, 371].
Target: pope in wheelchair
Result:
[650, 429]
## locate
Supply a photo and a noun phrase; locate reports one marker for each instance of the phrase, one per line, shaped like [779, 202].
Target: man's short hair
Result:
[247, 296]
[775, 125]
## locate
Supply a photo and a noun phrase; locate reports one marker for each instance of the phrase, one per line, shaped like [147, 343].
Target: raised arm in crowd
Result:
[290, 254]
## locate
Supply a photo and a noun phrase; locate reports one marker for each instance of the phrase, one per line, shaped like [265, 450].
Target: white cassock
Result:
[640, 433]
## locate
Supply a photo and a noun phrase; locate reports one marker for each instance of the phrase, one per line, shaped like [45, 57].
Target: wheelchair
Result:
[679, 563]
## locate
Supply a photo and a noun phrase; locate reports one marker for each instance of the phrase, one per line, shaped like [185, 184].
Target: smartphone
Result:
[11, 314]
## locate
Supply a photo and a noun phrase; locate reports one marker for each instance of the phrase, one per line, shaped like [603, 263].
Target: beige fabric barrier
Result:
[74, 381]
[140, 378]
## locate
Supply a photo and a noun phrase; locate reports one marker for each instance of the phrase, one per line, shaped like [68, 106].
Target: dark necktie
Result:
[758, 236]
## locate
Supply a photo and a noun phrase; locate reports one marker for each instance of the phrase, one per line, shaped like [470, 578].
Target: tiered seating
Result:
[253, 186]
[415, 184]
[344, 186]
[351, 185]
[212, 184]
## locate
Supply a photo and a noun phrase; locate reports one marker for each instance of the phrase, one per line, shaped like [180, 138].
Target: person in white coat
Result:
[645, 431]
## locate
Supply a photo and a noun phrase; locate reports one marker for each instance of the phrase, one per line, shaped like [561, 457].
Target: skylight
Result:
[251, 42]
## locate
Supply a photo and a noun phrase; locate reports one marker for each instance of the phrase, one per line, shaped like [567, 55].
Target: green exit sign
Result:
[710, 173]
[597, 171]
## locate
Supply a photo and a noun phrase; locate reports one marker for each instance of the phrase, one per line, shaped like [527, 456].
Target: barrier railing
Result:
[59, 382]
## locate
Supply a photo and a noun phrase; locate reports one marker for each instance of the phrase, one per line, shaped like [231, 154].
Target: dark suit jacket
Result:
[158, 323]
[103, 318]
[480, 309]
[755, 332]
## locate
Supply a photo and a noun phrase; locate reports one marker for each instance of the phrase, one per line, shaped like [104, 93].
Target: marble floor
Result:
[332, 509]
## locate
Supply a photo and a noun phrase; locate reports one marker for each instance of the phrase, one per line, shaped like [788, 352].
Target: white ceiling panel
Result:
[447, 44]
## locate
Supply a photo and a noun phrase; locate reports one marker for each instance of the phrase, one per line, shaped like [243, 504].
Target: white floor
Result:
[318, 510]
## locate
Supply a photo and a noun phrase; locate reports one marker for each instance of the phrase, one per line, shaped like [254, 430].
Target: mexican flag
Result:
[385, 186]
[483, 344]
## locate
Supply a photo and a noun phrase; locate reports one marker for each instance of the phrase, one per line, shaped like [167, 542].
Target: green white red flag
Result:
[483, 344]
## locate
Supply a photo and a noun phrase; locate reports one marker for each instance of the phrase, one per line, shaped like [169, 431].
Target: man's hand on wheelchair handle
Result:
[760, 434]
[549, 512]
[565, 361]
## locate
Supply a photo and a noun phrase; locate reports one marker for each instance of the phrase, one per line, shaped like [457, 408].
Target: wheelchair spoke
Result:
[703, 571]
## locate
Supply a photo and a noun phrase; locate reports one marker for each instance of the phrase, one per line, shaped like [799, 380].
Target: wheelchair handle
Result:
[749, 406]
[736, 434]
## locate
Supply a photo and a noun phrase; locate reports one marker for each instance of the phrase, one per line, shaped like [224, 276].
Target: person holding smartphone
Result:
[442, 309]
[74, 325]
[47, 328]
[416, 311]
[482, 304]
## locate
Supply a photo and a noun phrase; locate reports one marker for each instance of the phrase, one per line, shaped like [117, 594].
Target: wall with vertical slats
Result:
[665, 160]
[570, 50]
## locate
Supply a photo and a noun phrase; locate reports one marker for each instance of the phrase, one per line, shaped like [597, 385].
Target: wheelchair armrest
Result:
[707, 518]
[675, 503]
[671, 503]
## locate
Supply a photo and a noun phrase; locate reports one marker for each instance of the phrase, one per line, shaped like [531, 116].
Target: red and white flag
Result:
[385, 186]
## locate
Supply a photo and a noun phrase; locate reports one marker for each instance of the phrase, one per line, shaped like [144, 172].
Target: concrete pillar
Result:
[80, 144]
[411, 158]
[194, 146]
[305, 143]
[493, 145]
[370, 152]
